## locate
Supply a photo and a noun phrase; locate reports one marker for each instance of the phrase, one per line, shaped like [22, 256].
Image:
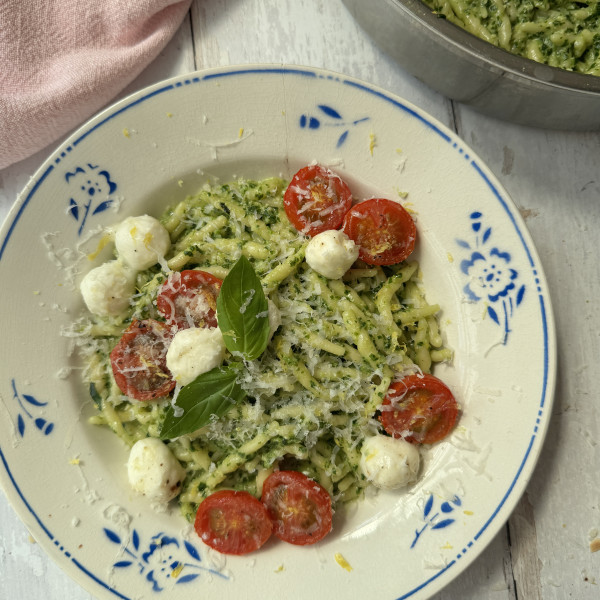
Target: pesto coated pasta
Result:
[559, 33]
[312, 396]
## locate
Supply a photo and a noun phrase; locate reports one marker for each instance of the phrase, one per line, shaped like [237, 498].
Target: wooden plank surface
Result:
[544, 552]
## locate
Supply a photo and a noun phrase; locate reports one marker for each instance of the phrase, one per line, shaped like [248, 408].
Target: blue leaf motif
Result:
[330, 112]
[123, 563]
[21, 425]
[112, 536]
[463, 244]
[135, 538]
[187, 578]
[487, 234]
[520, 295]
[74, 209]
[342, 139]
[476, 215]
[40, 423]
[314, 123]
[191, 550]
[494, 315]
[302, 121]
[428, 505]
[49, 429]
[476, 226]
[33, 401]
[447, 507]
[442, 524]
[102, 207]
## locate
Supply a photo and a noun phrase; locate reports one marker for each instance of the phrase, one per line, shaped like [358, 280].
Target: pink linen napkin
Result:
[63, 60]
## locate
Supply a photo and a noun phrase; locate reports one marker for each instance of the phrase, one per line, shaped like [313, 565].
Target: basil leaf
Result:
[212, 393]
[243, 312]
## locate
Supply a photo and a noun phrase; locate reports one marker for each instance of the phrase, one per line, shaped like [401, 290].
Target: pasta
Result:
[312, 396]
[559, 33]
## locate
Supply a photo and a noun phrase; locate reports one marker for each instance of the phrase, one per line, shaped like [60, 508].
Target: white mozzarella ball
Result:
[195, 351]
[107, 289]
[389, 463]
[331, 253]
[141, 241]
[153, 470]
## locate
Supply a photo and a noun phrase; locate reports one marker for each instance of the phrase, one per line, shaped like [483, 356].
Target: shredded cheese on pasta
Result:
[314, 393]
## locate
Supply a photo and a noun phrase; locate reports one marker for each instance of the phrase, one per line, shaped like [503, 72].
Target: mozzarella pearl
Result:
[107, 289]
[331, 253]
[153, 470]
[141, 241]
[195, 351]
[389, 463]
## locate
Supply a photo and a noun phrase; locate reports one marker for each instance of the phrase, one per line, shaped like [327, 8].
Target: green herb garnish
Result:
[243, 312]
[211, 393]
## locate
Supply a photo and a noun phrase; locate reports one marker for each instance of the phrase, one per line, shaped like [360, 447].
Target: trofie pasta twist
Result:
[312, 396]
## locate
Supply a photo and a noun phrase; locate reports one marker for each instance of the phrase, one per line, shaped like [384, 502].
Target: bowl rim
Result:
[495, 57]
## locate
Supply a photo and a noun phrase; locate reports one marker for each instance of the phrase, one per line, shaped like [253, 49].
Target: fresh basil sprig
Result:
[242, 311]
[211, 393]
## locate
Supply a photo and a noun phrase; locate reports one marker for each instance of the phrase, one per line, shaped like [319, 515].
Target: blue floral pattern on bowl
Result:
[27, 404]
[433, 521]
[491, 277]
[181, 562]
[329, 117]
[92, 188]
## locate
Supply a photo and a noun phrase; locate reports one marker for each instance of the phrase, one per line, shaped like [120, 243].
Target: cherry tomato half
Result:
[139, 360]
[298, 506]
[189, 299]
[383, 229]
[316, 200]
[233, 522]
[419, 408]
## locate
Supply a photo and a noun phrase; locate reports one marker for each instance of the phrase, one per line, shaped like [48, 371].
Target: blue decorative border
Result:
[427, 123]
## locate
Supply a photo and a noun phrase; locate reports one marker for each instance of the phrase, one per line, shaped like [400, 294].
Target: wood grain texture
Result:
[552, 177]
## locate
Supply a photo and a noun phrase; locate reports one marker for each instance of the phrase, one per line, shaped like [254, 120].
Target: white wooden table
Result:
[554, 178]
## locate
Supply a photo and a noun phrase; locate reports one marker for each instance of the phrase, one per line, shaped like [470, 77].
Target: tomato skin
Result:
[383, 229]
[189, 297]
[139, 360]
[299, 507]
[233, 522]
[316, 200]
[422, 405]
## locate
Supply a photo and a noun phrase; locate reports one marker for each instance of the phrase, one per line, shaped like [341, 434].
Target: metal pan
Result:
[469, 70]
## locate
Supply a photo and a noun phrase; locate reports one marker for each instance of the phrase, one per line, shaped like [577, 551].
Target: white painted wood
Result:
[552, 176]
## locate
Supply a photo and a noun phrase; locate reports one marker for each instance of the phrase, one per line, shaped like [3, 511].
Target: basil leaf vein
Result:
[242, 311]
[211, 393]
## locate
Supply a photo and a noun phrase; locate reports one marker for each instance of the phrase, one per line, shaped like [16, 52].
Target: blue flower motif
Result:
[91, 191]
[165, 560]
[28, 403]
[329, 117]
[491, 278]
[432, 521]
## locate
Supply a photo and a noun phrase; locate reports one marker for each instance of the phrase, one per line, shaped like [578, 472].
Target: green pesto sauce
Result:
[559, 33]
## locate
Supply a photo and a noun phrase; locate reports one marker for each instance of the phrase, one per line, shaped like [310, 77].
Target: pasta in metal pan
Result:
[559, 33]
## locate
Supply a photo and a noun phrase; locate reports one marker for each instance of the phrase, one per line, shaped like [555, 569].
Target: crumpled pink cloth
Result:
[63, 60]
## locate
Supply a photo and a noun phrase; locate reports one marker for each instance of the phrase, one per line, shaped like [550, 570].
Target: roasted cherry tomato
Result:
[139, 360]
[419, 408]
[299, 507]
[189, 299]
[383, 229]
[316, 200]
[233, 522]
